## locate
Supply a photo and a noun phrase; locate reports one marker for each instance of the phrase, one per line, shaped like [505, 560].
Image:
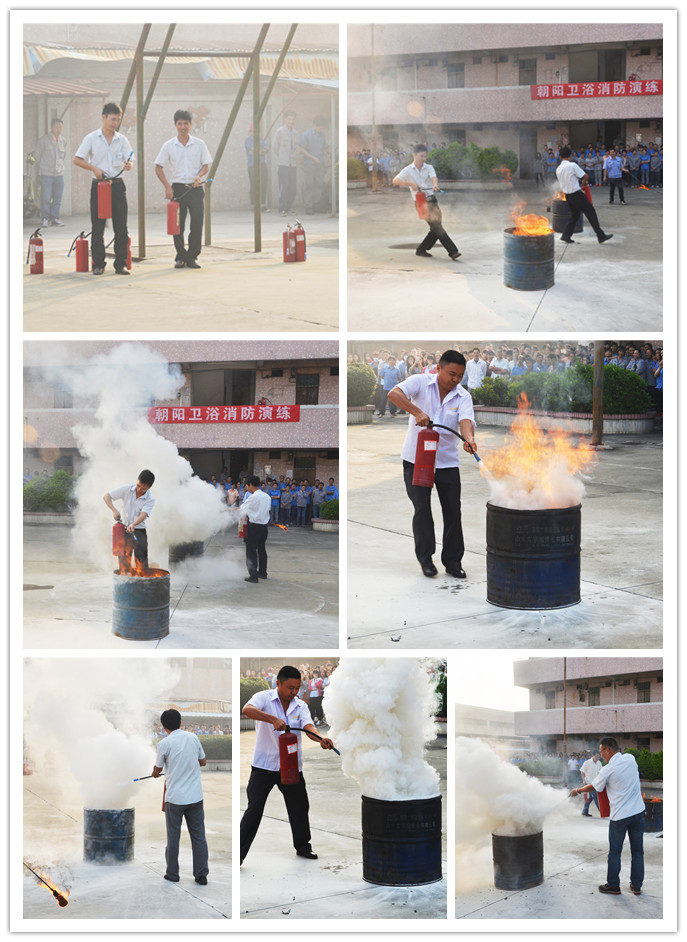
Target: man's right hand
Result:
[117, 516]
[99, 174]
[422, 419]
[278, 724]
[169, 193]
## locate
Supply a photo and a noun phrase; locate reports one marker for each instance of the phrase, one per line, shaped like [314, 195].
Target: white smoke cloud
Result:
[380, 712]
[556, 488]
[86, 723]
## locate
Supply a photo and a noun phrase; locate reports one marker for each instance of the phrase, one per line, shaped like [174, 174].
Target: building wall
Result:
[549, 669]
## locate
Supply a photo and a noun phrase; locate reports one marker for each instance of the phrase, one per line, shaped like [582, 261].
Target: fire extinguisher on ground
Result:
[289, 244]
[426, 454]
[80, 247]
[299, 233]
[34, 257]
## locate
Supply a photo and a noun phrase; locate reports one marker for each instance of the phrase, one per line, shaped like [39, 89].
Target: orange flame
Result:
[559, 196]
[505, 174]
[651, 801]
[62, 896]
[538, 464]
[281, 526]
[642, 187]
[530, 224]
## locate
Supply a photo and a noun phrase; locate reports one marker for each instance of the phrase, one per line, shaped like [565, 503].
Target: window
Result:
[333, 370]
[550, 55]
[307, 389]
[456, 74]
[644, 692]
[477, 60]
[274, 455]
[550, 700]
[527, 74]
[594, 696]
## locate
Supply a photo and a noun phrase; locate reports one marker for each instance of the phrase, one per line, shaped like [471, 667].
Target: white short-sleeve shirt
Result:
[620, 778]
[422, 178]
[569, 176]
[133, 505]
[178, 756]
[257, 507]
[423, 391]
[108, 157]
[266, 752]
[184, 160]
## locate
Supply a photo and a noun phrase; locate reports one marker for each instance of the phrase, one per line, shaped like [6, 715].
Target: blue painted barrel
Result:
[108, 835]
[401, 841]
[141, 605]
[560, 217]
[653, 816]
[533, 557]
[518, 861]
[528, 261]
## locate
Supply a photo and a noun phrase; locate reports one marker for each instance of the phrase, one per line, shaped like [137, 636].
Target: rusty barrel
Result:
[560, 216]
[140, 605]
[181, 551]
[518, 861]
[108, 835]
[401, 841]
[528, 261]
[533, 557]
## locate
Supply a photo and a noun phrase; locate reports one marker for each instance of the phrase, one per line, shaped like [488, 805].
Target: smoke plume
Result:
[380, 711]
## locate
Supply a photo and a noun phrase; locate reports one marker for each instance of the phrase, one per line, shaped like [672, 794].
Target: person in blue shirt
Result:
[331, 492]
[275, 494]
[644, 166]
[391, 377]
[613, 172]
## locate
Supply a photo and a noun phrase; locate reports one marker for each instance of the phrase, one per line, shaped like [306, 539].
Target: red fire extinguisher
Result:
[289, 244]
[299, 233]
[80, 247]
[425, 457]
[587, 190]
[242, 528]
[604, 804]
[173, 218]
[288, 758]
[421, 204]
[128, 252]
[34, 257]
[118, 539]
[104, 199]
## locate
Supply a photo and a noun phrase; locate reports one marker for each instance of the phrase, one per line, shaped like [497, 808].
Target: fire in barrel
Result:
[560, 214]
[140, 603]
[534, 516]
[528, 252]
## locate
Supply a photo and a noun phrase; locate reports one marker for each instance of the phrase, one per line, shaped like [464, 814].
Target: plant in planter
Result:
[330, 510]
[50, 494]
[361, 381]
[328, 520]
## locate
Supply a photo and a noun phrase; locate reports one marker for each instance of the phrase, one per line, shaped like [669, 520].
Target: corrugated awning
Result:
[60, 88]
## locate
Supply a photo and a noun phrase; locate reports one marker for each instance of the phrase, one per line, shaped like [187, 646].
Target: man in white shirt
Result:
[437, 397]
[256, 509]
[274, 710]
[189, 160]
[589, 770]
[138, 505]
[180, 756]
[475, 370]
[570, 176]
[620, 778]
[499, 365]
[107, 153]
[420, 177]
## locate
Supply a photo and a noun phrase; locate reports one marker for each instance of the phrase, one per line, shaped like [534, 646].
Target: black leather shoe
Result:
[428, 568]
[122, 271]
[172, 879]
[568, 241]
[99, 269]
[457, 572]
[192, 264]
[422, 253]
[455, 256]
[306, 853]
[260, 576]
[606, 237]
[251, 579]
[202, 880]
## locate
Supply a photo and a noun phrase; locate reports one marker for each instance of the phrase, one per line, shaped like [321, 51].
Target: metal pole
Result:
[565, 716]
[373, 141]
[332, 153]
[277, 69]
[158, 68]
[598, 399]
[140, 156]
[257, 181]
[129, 84]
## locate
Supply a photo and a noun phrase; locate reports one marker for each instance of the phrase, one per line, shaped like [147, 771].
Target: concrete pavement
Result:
[68, 604]
[53, 842]
[392, 605]
[236, 289]
[615, 286]
[278, 885]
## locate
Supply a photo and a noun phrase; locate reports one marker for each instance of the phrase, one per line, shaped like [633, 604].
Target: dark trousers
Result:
[256, 554]
[190, 200]
[260, 784]
[315, 706]
[286, 177]
[139, 548]
[263, 184]
[119, 218]
[436, 231]
[579, 205]
[383, 402]
[593, 799]
[621, 192]
[634, 828]
[195, 822]
[447, 483]
[52, 189]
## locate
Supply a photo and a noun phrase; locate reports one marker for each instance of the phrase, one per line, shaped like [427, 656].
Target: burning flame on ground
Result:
[536, 468]
[642, 187]
[651, 800]
[281, 526]
[505, 174]
[62, 896]
[530, 224]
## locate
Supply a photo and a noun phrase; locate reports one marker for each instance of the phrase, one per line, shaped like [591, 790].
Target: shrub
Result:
[624, 391]
[650, 764]
[361, 381]
[492, 392]
[491, 159]
[543, 767]
[356, 169]
[329, 510]
[460, 161]
[440, 692]
[216, 747]
[249, 686]
[53, 493]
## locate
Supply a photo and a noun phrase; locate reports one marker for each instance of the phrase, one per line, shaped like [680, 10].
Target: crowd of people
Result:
[293, 503]
[314, 683]
[192, 726]
[389, 161]
[635, 165]
[510, 362]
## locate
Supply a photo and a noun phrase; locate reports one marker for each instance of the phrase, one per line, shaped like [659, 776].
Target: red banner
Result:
[627, 88]
[161, 415]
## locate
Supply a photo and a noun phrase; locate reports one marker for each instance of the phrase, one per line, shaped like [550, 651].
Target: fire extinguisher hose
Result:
[309, 732]
[105, 176]
[449, 429]
[189, 187]
[81, 235]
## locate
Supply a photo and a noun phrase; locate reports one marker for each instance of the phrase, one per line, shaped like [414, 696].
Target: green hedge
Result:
[460, 161]
[216, 747]
[53, 493]
[650, 764]
[543, 767]
[356, 169]
[249, 686]
[571, 391]
[361, 383]
[329, 510]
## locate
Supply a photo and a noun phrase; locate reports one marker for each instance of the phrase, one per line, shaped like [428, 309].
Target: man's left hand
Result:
[327, 744]
[470, 447]
[128, 165]
[130, 528]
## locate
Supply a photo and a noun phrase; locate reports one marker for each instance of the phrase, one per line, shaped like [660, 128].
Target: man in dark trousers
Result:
[188, 160]
[256, 508]
[180, 757]
[620, 778]
[437, 397]
[420, 177]
[570, 177]
[138, 505]
[274, 710]
[107, 153]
